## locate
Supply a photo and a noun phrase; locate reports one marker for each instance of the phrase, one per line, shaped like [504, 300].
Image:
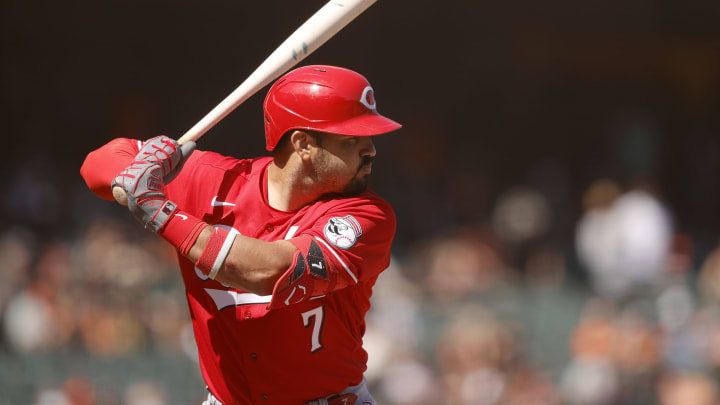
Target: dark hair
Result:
[283, 140]
[319, 136]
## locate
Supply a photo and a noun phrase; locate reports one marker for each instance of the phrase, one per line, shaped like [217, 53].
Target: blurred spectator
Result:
[683, 388]
[636, 354]
[409, 381]
[692, 346]
[591, 378]
[38, 317]
[34, 324]
[459, 266]
[107, 331]
[144, 394]
[623, 239]
[16, 256]
[521, 214]
[590, 381]
[51, 397]
[546, 268]
[636, 345]
[79, 391]
[709, 278]
[395, 327]
[164, 316]
[74, 391]
[530, 387]
[474, 354]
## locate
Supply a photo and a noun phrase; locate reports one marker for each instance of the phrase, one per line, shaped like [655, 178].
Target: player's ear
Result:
[302, 142]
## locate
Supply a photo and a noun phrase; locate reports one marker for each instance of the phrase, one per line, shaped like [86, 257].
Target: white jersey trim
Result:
[227, 298]
[339, 259]
[291, 232]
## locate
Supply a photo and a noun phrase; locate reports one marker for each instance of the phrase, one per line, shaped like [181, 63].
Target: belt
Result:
[348, 397]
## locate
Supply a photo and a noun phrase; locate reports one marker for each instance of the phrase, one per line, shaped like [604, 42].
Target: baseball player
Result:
[278, 254]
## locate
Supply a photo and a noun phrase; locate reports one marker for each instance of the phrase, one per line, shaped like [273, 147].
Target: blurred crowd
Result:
[497, 312]
[457, 323]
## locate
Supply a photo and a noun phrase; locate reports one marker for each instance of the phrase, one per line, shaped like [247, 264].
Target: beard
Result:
[359, 183]
[356, 186]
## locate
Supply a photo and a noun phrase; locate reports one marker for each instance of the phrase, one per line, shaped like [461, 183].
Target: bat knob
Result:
[120, 196]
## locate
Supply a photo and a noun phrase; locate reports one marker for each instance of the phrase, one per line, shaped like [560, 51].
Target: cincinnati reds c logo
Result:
[368, 98]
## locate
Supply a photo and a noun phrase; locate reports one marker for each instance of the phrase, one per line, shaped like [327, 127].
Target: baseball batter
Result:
[278, 254]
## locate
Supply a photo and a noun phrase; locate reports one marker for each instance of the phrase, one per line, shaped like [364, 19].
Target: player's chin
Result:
[356, 186]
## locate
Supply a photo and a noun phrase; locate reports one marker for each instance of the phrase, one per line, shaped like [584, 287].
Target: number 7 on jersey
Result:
[319, 315]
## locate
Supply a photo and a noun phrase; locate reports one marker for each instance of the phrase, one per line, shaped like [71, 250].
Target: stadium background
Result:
[556, 185]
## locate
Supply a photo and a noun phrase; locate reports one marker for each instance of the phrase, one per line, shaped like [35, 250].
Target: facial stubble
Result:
[359, 183]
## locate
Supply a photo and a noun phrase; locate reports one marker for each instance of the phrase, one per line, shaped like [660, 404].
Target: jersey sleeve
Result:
[349, 244]
[103, 164]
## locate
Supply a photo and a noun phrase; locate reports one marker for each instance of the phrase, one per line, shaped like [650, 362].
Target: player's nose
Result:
[367, 147]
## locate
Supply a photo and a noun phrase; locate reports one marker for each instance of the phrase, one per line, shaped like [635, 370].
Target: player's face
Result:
[344, 163]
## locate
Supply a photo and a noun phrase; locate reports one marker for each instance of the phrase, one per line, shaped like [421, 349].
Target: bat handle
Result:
[120, 196]
[187, 137]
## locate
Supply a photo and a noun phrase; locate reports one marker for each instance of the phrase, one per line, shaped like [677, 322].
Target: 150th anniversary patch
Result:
[343, 232]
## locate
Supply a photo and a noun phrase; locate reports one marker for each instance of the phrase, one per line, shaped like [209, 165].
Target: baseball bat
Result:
[312, 34]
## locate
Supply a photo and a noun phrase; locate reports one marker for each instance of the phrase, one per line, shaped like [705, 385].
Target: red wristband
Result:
[182, 230]
[216, 250]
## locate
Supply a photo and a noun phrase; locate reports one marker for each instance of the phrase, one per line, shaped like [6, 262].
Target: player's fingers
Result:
[186, 150]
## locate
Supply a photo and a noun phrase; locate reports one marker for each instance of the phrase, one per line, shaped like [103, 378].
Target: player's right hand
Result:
[143, 183]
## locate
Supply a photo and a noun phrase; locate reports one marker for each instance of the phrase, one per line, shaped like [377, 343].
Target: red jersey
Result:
[305, 341]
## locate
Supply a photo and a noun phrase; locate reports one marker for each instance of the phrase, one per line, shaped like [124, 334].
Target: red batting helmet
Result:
[322, 98]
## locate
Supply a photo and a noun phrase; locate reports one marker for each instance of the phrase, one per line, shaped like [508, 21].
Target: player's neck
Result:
[287, 189]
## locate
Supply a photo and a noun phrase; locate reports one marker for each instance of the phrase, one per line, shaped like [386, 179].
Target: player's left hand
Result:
[167, 153]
